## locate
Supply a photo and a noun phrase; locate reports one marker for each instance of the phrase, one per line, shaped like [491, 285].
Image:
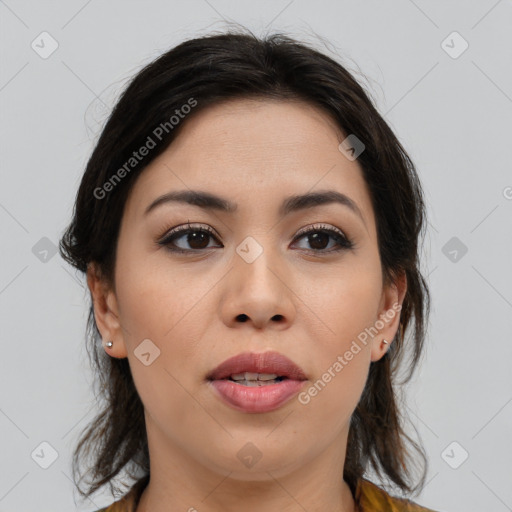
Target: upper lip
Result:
[266, 362]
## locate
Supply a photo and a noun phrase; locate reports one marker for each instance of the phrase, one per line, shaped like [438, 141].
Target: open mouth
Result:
[257, 382]
[255, 379]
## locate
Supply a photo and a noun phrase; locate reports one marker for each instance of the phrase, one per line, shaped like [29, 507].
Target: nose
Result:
[258, 293]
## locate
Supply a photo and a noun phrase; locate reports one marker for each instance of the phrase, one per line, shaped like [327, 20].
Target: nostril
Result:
[243, 317]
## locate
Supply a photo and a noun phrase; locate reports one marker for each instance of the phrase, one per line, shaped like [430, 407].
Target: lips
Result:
[266, 396]
[267, 362]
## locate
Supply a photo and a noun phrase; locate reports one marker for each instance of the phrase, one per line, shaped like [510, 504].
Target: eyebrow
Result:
[208, 201]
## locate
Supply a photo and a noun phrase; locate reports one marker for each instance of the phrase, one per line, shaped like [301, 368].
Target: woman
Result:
[244, 364]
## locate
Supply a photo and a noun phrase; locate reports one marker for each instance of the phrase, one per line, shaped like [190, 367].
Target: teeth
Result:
[254, 376]
[267, 376]
[255, 383]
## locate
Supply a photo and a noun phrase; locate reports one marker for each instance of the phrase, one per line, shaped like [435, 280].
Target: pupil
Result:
[195, 237]
[318, 236]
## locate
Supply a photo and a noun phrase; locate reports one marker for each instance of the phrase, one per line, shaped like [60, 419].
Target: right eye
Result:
[196, 237]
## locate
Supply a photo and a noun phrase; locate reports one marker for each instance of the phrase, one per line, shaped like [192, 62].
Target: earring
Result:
[386, 342]
[109, 344]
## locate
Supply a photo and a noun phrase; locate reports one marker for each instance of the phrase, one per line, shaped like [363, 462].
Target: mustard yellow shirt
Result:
[368, 497]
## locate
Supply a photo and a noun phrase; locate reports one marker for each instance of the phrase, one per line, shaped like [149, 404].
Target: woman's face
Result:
[256, 283]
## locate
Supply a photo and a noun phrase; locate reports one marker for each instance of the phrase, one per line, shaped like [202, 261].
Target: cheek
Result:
[347, 307]
[159, 302]
[342, 354]
[157, 308]
[155, 296]
[346, 299]
[330, 400]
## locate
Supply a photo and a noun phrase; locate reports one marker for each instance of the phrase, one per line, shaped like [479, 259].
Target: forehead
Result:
[236, 126]
[255, 150]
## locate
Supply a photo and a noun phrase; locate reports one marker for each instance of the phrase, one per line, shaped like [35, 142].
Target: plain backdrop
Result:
[441, 76]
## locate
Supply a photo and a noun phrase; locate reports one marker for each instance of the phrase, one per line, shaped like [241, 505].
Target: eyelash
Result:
[342, 241]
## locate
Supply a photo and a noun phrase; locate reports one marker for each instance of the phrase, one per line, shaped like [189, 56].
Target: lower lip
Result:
[257, 399]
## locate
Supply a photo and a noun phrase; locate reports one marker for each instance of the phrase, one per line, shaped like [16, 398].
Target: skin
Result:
[255, 153]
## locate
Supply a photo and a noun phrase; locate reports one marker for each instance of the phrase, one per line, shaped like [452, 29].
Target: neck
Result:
[180, 481]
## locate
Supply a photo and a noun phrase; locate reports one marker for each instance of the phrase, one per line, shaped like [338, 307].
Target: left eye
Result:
[318, 237]
[198, 239]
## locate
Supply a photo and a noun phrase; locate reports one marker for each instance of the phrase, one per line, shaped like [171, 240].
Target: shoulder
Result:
[118, 506]
[372, 498]
[129, 502]
[121, 505]
[126, 504]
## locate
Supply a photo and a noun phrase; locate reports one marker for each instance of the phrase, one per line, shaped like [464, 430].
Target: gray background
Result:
[452, 113]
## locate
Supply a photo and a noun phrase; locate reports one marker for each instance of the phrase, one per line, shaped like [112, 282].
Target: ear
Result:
[106, 312]
[389, 316]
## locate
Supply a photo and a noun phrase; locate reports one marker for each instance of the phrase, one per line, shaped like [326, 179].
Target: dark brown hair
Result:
[209, 70]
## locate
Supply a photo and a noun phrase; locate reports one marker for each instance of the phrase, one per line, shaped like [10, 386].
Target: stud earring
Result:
[109, 344]
[386, 342]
